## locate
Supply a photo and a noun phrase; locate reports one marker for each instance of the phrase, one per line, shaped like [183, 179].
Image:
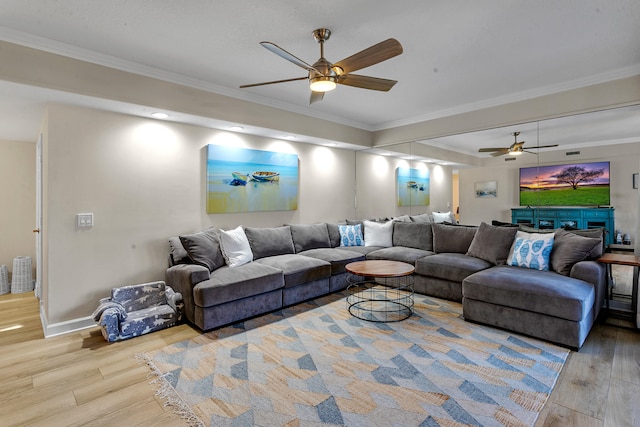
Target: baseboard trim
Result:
[61, 328]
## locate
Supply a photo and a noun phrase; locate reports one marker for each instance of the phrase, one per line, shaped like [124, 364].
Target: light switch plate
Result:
[84, 220]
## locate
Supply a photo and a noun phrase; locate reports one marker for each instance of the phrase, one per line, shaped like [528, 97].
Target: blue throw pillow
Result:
[350, 235]
[531, 250]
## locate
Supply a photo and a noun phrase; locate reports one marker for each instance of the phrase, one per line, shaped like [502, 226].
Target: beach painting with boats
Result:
[413, 186]
[248, 180]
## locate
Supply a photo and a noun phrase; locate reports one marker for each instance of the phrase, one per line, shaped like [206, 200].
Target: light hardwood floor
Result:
[79, 379]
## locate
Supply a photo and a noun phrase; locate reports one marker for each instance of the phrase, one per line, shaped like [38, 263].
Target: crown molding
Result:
[58, 48]
[515, 97]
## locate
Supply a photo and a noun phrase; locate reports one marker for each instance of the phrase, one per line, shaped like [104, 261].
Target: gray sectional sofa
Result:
[295, 263]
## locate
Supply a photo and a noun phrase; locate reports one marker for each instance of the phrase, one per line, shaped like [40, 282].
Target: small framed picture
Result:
[486, 189]
[635, 180]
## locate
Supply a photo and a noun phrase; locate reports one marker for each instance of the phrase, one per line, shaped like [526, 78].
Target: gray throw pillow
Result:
[177, 252]
[595, 233]
[417, 235]
[204, 248]
[452, 238]
[334, 234]
[570, 248]
[307, 237]
[492, 243]
[266, 241]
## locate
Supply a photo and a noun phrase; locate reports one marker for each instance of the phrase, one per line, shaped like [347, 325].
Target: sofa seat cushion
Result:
[543, 292]
[450, 266]
[298, 269]
[233, 283]
[399, 253]
[337, 258]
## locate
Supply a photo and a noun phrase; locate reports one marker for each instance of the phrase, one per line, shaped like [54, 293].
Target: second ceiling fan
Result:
[324, 76]
[514, 149]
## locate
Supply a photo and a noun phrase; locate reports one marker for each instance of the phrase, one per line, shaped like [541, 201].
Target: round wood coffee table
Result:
[380, 291]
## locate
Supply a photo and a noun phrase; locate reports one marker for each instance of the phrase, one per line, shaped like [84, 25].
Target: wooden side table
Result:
[624, 259]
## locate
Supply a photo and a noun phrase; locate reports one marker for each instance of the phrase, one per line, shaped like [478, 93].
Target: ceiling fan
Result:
[324, 76]
[514, 149]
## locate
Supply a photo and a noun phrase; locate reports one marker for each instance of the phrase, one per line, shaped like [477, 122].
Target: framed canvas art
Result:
[413, 186]
[248, 180]
[486, 189]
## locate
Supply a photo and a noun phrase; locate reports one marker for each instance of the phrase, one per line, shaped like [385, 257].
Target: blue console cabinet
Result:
[551, 218]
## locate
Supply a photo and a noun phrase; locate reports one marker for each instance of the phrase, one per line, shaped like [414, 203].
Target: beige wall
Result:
[624, 161]
[17, 201]
[144, 181]
[376, 186]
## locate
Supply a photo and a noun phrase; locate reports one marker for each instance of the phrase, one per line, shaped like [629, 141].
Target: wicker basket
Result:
[22, 278]
[5, 287]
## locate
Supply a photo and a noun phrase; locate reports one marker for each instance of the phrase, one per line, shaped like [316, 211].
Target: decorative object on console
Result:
[247, 180]
[412, 187]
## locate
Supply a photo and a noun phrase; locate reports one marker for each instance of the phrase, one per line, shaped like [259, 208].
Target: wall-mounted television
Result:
[576, 184]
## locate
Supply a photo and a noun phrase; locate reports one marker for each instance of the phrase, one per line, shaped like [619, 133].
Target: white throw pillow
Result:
[443, 216]
[403, 218]
[378, 234]
[235, 247]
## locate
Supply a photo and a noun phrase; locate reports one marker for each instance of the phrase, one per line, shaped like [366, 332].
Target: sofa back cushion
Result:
[418, 235]
[204, 248]
[266, 241]
[492, 243]
[334, 234]
[452, 238]
[306, 237]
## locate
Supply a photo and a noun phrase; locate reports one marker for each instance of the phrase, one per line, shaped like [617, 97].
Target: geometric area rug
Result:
[314, 364]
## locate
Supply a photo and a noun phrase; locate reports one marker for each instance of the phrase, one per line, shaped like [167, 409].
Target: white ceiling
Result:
[458, 55]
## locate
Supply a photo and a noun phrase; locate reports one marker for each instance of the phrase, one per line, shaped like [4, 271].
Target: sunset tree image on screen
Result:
[573, 184]
[575, 175]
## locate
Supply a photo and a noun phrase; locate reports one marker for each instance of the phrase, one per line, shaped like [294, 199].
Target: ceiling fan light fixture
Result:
[323, 84]
[515, 152]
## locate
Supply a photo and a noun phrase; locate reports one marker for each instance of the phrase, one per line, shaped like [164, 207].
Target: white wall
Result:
[144, 181]
[624, 161]
[17, 201]
[377, 192]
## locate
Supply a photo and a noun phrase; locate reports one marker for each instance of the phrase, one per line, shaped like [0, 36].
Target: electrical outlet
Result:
[84, 220]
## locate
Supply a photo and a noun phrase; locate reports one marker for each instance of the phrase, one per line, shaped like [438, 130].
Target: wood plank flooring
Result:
[79, 379]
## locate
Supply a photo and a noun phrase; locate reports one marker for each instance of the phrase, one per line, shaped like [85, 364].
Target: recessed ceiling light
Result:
[158, 115]
[236, 128]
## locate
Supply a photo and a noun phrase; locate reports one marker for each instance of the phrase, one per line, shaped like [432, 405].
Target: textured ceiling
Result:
[458, 55]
